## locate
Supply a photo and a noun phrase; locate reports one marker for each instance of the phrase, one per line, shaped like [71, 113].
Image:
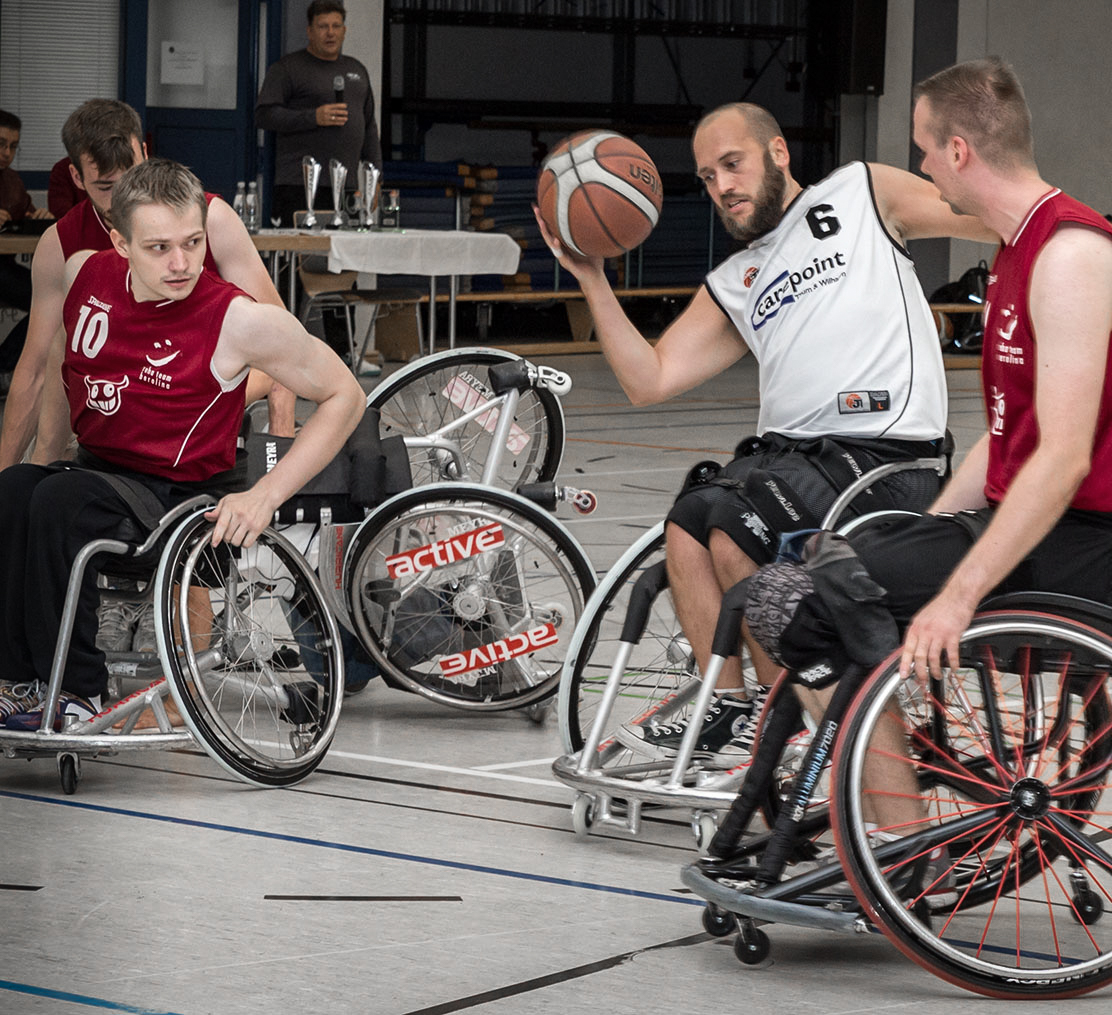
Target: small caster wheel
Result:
[69, 771]
[718, 922]
[704, 826]
[583, 814]
[922, 912]
[1088, 907]
[752, 947]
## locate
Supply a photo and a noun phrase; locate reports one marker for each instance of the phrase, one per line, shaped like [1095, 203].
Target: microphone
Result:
[338, 87]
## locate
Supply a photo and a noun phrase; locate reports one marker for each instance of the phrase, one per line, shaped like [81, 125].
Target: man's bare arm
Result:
[913, 209]
[697, 345]
[44, 327]
[1070, 300]
[274, 341]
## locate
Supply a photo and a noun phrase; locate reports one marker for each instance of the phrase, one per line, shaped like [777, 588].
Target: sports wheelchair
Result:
[965, 816]
[460, 591]
[629, 663]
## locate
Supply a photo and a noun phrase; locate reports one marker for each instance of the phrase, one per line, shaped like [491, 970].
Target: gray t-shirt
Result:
[293, 89]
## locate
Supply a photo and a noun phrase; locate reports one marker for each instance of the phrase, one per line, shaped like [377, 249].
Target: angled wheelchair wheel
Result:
[433, 394]
[973, 813]
[466, 594]
[661, 677]
[251, 652]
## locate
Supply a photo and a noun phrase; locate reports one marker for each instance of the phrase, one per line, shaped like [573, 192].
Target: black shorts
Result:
[912, 557]
[777, 484]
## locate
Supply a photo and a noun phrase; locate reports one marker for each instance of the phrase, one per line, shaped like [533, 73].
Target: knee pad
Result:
[788, 620]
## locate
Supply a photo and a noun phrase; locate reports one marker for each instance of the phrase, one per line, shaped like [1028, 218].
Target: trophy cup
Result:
[310, 173]
[337, 173]
[368, 187]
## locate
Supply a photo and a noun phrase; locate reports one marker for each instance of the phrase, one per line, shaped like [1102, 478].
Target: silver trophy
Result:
[310, 174]
[337, 172]
[369, 176]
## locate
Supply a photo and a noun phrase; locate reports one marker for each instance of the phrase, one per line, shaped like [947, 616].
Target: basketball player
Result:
[825, 297]
[103, 138]
[148, 326]
[1031, 506]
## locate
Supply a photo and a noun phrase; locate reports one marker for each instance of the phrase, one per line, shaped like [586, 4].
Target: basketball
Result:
[599, 193]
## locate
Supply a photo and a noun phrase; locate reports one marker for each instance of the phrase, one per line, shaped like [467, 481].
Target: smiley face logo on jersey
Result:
[104, 395]
[164, 353]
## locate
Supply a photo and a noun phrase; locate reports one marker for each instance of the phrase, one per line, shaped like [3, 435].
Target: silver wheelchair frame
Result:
[114, 728]
[678, 782]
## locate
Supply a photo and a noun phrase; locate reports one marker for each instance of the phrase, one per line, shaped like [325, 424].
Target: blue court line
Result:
[345, 847]
[89, 1002]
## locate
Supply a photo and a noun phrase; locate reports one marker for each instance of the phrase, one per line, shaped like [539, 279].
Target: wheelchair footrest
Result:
[772, 910]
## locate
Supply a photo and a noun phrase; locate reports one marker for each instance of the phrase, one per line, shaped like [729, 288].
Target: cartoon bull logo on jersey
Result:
[104, 396]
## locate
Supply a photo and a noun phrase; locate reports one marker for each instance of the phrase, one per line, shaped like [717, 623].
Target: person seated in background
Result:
[15, 206]
[61, 192]
[149, 300]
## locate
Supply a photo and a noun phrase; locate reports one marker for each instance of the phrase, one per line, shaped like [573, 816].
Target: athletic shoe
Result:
[144, 640]
[115, 624]
[725, 739]
[71, 707]
[15, 698]
[938, 880]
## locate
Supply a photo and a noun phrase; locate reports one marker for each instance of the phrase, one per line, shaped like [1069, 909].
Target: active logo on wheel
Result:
[454, 666]
[446, 551]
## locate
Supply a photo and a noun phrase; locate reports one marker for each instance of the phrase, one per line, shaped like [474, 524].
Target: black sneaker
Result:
[725, 740]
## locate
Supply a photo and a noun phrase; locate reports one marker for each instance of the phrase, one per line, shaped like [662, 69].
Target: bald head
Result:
[757, 120]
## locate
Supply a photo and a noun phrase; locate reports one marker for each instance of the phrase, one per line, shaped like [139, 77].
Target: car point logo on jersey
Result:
[788, 286]
[750, 276]
[104, 395]
[454, 667]
[446, 551]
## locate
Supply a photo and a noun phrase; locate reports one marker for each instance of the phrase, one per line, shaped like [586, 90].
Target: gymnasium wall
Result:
[1059, 49]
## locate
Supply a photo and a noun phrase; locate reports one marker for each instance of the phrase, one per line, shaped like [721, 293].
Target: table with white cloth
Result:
[433, 253]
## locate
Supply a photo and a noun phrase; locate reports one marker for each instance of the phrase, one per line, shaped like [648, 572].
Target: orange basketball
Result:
[599, 193]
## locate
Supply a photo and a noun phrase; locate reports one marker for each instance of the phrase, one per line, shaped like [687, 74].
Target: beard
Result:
[768, 206]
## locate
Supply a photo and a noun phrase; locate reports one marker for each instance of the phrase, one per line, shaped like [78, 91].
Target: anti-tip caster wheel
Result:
[582, 814]
[752, 947]
[69, 772]
[718, 922]
[704, 825]
[1088, 908]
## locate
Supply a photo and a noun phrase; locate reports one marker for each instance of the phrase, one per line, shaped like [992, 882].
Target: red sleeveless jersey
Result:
[1009, 354]
[82, 228]
[139, 377]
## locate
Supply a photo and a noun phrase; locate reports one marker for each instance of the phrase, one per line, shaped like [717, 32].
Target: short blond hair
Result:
[156, 181]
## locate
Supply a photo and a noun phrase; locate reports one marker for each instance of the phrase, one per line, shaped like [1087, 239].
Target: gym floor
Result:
[429, 865]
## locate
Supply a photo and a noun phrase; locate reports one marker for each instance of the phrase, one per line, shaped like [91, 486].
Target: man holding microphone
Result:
[320, 103]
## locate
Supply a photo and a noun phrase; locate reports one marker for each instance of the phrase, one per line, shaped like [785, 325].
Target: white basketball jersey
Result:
[831, 308]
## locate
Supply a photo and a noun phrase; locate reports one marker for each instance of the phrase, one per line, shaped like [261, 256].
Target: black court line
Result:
[363, 898]
[575, 973]
[21, 888]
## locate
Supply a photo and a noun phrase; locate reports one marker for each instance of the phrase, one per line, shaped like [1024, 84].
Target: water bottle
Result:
[240, 199]
[251, 208]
